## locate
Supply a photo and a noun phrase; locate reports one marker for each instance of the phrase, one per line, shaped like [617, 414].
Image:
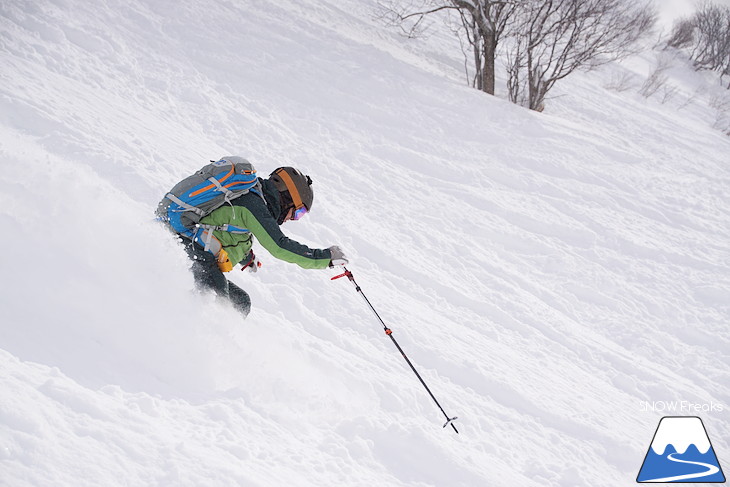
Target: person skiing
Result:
[224, 237]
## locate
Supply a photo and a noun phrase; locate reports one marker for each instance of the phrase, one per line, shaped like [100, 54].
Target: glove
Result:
[252, 264]
[338, 257]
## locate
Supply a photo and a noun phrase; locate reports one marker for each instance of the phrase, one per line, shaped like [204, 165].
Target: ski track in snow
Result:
[546, 273]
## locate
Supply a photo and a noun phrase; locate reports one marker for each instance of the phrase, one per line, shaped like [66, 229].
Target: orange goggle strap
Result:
[293, 191]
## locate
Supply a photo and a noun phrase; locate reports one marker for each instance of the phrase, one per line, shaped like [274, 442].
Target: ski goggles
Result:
[299, 209]
[299, 212]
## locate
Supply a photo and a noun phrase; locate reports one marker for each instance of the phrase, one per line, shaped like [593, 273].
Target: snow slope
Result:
[547, 273]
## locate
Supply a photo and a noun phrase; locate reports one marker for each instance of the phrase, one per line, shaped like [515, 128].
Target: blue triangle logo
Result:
[681, 452]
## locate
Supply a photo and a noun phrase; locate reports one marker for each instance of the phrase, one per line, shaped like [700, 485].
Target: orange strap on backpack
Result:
[224, 263]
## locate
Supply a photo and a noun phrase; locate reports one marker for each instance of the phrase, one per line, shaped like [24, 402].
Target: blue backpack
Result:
[208, 189]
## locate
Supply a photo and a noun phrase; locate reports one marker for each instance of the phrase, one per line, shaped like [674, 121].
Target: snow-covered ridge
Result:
[680, 432]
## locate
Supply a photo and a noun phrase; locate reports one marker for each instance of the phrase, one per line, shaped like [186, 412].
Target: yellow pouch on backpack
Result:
[224, 263]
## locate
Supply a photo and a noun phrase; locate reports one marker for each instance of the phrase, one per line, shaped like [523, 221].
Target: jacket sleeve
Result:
[262, 225]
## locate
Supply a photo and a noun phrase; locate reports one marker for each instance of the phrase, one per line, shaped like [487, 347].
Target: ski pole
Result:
[389, 332]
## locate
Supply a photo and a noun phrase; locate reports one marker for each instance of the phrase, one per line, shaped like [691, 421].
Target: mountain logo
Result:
[681, 452]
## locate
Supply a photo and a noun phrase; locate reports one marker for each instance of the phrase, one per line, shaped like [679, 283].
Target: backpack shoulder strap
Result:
[186, 206]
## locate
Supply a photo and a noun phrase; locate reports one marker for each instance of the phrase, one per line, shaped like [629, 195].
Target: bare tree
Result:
[721, 104]
[515, 68]
[705, 36]
[621, 82]
[658, 78]
[483, 23]
[683, 33]
[712, 43]
[553, 38]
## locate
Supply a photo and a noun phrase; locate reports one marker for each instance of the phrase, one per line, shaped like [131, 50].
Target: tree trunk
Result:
[479, 77]
[490, 52]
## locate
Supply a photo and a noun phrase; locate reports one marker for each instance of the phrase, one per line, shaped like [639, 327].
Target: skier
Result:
[286, 195]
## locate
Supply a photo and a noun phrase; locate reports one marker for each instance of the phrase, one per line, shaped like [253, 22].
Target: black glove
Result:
[252, 263]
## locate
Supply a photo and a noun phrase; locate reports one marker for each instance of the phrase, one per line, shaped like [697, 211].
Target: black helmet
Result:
[294, 187]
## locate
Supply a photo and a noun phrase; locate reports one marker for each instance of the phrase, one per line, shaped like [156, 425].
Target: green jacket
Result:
[260, 218]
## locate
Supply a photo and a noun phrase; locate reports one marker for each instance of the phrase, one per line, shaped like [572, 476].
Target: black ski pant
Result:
[208, 276]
